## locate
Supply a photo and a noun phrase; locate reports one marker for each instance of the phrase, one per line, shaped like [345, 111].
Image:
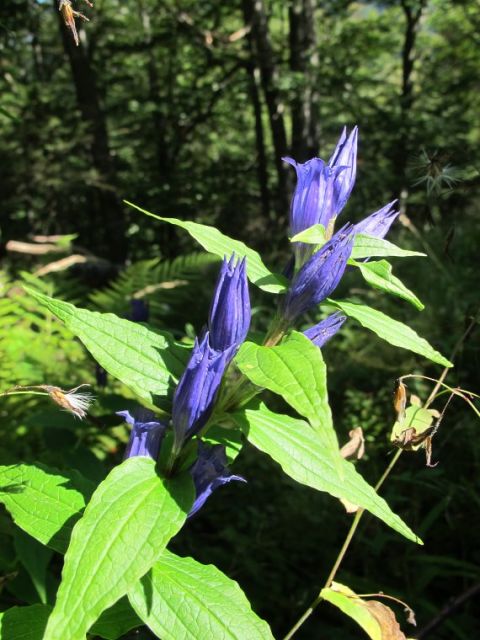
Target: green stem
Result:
[342, 552]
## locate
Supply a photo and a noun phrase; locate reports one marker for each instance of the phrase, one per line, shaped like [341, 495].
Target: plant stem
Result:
[342, 552]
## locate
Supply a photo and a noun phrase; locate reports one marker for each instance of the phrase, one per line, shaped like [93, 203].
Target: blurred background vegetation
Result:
[186, 109]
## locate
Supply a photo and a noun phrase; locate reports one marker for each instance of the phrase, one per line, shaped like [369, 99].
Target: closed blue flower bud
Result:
[230, 311]
[378, 224]
[195, 394]
[146, 435]
[321, 333]
[209, 472]
[320, 275]
[345, 155]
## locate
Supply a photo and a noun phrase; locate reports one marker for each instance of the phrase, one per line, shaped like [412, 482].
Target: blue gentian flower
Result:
[319, 276]
[146, 435]
[378, 224]
[209, 471]
[345, 155]
[140, 311]
[230, 313]
[196, 391]
[320, 333]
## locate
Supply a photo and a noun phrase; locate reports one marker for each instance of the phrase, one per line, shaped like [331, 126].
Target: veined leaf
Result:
[365, 246]
[301, 453]
[214, 241]
[393, 331]
[181, 598]
[44, 502]
[377, 620]
[295, 370]
[379, 275]
[127, 524]
[144, 360]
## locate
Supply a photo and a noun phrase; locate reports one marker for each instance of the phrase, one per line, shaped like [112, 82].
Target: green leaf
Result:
[144, 360]
[316, 234]
[393, 331]
[377, 620]
[24, 623]
[127, 523]
[44, 502]
[35, 557]
[28, 623]
[295, 370]
[379, 275]
[116, 621]
[417, 418]
[365, 246]
[214, 241]
[181, 598]
[301, 453]
[231, 439]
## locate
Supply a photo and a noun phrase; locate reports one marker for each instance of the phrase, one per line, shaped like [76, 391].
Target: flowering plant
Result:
[115, 535]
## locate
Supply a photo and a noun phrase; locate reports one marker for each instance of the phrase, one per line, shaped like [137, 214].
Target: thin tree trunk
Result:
[106, 216]
[262, 171]
[263, 57]
[304, 63]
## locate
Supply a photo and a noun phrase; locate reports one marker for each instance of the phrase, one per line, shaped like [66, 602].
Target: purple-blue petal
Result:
[209, 472]
[230, 313]
[146, 435]
[320, 333]
[320, 275]
[378, 224]
[345, 155]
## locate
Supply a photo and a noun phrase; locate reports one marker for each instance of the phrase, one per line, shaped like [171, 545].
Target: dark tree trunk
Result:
[412, 10]
[259, 141]
[304, 63]
[263, 58]
[106, 215]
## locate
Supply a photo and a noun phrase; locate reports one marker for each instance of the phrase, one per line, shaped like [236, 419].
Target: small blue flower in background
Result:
[230, 312]
[209, 472]
[319, 276]
[195, 394]
[320, 333]
[140, 311]
[146, 435]
[378, 224]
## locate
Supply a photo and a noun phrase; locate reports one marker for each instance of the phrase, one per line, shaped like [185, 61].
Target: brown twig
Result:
[451, 606]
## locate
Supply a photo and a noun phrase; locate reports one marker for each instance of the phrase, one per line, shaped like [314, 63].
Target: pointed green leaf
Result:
[127, 523]
[35, 557]
[379, 275]
[214, 241]
[116, 621]
[316, 234]
[368, 246]
[144, 360]
[181, 598]
[393, 331]
[44, 502]
[301, 453]
[24, 623]
[295, 370]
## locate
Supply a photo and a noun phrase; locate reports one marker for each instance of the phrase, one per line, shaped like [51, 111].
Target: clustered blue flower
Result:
[321, 193]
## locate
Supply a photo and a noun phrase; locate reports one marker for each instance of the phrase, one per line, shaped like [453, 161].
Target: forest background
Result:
[186, 109]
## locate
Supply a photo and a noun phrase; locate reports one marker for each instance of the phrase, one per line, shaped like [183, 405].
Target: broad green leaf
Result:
[24, 623]
[127, 523]
[365, 246]
[393, 331]
[116, 621]
[295, 370]
[316, 234]
[379, 275]
[214, 241]
[28, 623]
[181, 598]
[231, 439]
[377, 620]
[144, 360]
[44, 502]
[35, 557]
[301, 453]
